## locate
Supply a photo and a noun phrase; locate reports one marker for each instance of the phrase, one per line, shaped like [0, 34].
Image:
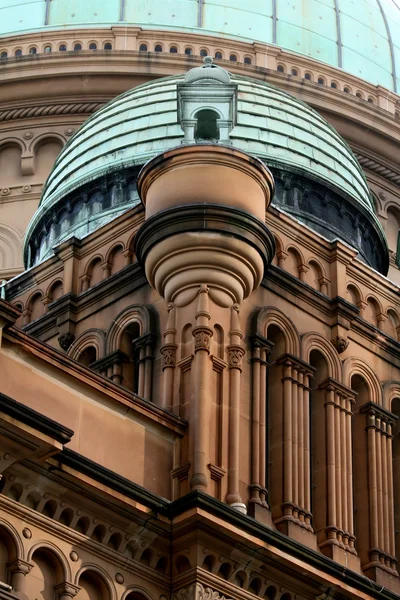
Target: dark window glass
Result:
[321, 81]
[92, 46]
[18, 53]
[143, 48]
[47, 49]
[77, 47]
[247, 60]
[280, 68]
[334, 85]
[107, 46]
[307, 76]
[32, 50]
[203, 52]
[62, 48]
[158, 48]
[173, 50]
[233, 58]
[218, 55]
[3, 55]
[188, 51]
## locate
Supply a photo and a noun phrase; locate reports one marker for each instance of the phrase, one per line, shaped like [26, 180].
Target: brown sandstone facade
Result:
[160, 381]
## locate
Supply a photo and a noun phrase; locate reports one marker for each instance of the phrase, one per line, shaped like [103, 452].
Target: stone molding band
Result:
[211, 218]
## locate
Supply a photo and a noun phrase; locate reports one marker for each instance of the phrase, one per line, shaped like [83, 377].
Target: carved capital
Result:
[202, 338]
[67, 589]
[168, 353]
[235, 355]
[19, 566]
[197, 592]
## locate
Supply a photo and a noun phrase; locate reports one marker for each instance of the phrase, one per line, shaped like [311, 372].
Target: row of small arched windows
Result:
[189, 52]
[322, 81]
[61, 48]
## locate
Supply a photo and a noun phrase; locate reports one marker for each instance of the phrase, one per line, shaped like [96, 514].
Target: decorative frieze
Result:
[197, 592]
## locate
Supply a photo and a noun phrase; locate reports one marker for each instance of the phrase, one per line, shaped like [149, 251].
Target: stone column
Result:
[202, 367]
[296, 444]
[168, 353]
[235, 355]
[19, 569]
[379, 424]
[338, 534]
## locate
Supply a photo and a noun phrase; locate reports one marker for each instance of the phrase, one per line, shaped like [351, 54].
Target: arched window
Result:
[334, 85]
[92, 587]
[18, 52]
[62, 48]
[143, 48]
[218, 55]
[188, 51]
[173, 50]
[32, 50]
[47, 49]
[130, 368]
[158, 48]
[294, 72]
[77, 47]
[247, 60]
[347, 90]
[206, 127]
[307, 76]
[203, 52]
[93, 46]
[88, 356]
[233, 57]
[4, 54]
[321, 81]
[107, 46]
[280, 69]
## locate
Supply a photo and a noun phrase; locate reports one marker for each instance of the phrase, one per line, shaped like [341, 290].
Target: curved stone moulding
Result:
[205, 206]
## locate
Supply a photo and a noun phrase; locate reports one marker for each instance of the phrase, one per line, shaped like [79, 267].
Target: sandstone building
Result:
[199, 314]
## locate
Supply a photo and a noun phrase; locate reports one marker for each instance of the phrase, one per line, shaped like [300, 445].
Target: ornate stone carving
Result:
[67, 589]
[53, 109]
[197, 592]
[235, 355]
[65, 340]
[341, 344]
[202, 337]
[168, 353]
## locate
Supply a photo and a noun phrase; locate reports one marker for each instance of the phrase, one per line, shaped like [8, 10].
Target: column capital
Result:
[19, 566]
[67, 589]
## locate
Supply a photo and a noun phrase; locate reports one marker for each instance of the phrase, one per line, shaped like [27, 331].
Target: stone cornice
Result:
[88, 377]
[35, 420]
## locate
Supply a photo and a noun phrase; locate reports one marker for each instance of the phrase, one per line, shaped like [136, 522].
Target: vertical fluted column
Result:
[338, 528]
[263, 450]
[379, 423]
[306, 446]
[260, 349]
[255, 486]
[168, 353]
[235, 356]
[201, 403]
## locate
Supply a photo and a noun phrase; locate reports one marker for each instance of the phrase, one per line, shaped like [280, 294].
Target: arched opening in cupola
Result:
[206, 127]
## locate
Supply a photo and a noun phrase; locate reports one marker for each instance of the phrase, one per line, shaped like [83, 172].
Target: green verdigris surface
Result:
[142, 122]
[360, 36]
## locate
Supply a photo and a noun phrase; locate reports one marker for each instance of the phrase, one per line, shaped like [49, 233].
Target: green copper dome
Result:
[103, 157]
[142, 122]
[360, 36]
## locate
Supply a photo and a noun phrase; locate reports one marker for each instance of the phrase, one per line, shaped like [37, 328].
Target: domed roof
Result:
[142, 122]
[270, 124]
[360, 36]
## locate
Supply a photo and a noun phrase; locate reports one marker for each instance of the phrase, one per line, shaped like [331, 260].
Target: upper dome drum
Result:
[359, 36]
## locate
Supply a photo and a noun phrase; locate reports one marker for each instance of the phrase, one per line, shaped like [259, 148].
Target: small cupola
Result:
[207, 104]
